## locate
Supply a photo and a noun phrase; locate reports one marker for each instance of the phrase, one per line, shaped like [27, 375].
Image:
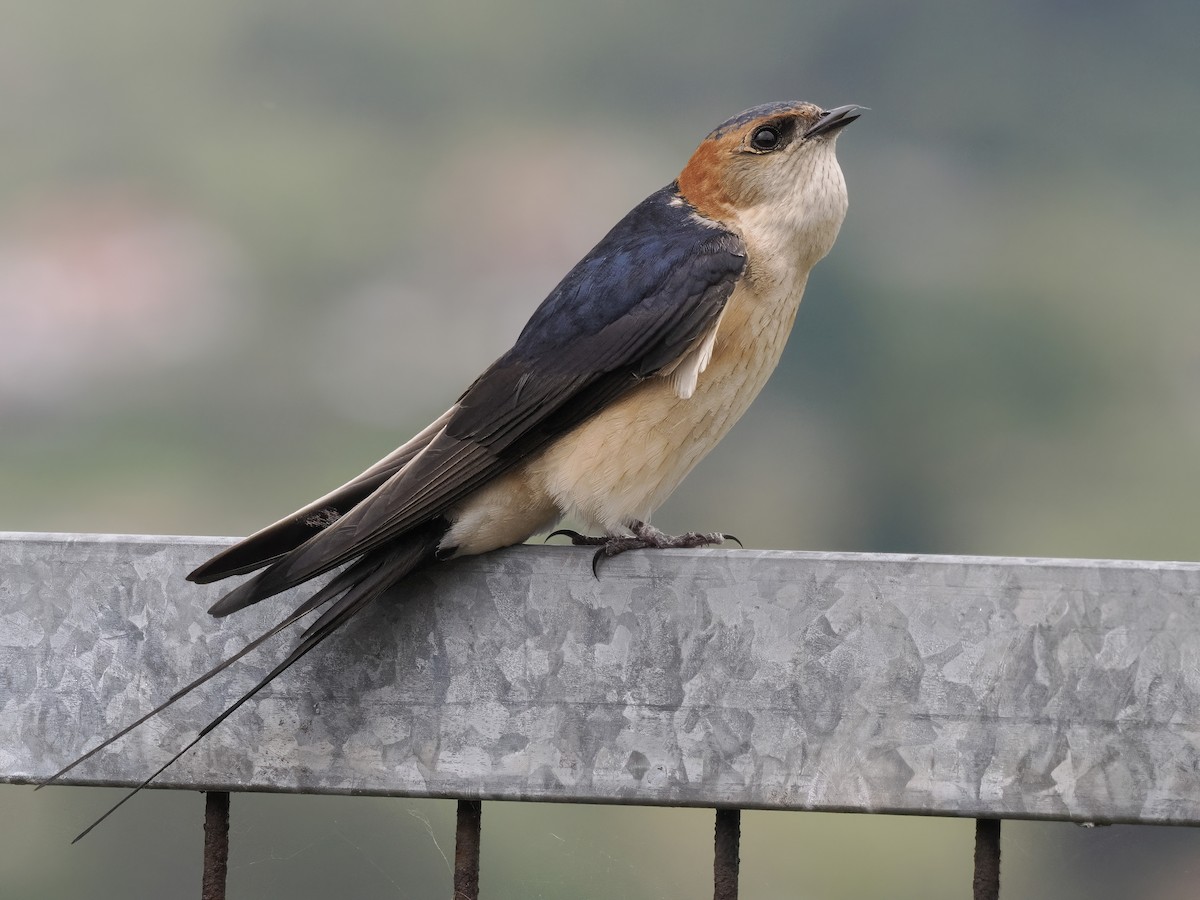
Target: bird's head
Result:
[773, 169]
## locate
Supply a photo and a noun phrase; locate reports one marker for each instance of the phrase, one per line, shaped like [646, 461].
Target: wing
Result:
[645, 296]
[272, 542]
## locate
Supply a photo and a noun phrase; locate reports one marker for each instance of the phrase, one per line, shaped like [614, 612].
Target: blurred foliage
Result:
[361, 202]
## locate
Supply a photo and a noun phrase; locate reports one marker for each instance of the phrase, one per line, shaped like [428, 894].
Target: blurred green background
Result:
[247, 247]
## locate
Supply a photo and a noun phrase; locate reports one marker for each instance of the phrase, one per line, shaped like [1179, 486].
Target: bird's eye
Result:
[765, 138]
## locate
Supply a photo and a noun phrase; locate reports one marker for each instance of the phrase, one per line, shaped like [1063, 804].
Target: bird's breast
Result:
[622, 463]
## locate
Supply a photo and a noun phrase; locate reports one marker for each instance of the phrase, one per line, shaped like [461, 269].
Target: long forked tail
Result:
[351, 591]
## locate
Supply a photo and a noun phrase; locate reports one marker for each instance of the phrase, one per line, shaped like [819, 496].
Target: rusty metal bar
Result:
[466, 850]
[987, 859]
[216, 845]
[726, 854]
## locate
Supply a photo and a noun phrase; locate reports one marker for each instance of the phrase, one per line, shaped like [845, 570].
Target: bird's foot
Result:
[579, 540]
[644, 537]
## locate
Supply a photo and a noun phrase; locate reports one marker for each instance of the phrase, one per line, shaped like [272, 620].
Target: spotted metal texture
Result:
[1063, 689]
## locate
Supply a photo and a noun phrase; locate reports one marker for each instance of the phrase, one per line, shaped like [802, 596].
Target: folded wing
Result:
[645, 296]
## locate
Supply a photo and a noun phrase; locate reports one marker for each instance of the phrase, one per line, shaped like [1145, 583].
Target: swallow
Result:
[627, 374]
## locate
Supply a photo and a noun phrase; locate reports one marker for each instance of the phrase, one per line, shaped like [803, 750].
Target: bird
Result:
[632, 369]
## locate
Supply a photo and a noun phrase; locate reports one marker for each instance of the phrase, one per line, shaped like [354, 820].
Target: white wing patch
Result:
[685, 373]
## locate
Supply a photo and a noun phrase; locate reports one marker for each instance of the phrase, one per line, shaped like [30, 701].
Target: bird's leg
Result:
[645, 536]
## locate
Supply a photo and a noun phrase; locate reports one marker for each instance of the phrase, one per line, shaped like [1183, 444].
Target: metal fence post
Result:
[726, 850]
[216, 845]
[466, 850]
[987, 859]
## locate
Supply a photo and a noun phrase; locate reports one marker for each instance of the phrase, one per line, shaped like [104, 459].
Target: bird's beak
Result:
[833, 120]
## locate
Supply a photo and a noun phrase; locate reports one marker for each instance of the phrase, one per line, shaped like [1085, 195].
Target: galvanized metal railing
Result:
[723, 679]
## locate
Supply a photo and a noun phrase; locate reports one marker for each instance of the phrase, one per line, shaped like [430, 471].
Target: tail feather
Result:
[349, 592]
[245, 594]
[183, 691]
[252, 590]
[277, 577]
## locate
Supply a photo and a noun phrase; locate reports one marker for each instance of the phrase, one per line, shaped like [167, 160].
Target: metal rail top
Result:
[966, 686]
